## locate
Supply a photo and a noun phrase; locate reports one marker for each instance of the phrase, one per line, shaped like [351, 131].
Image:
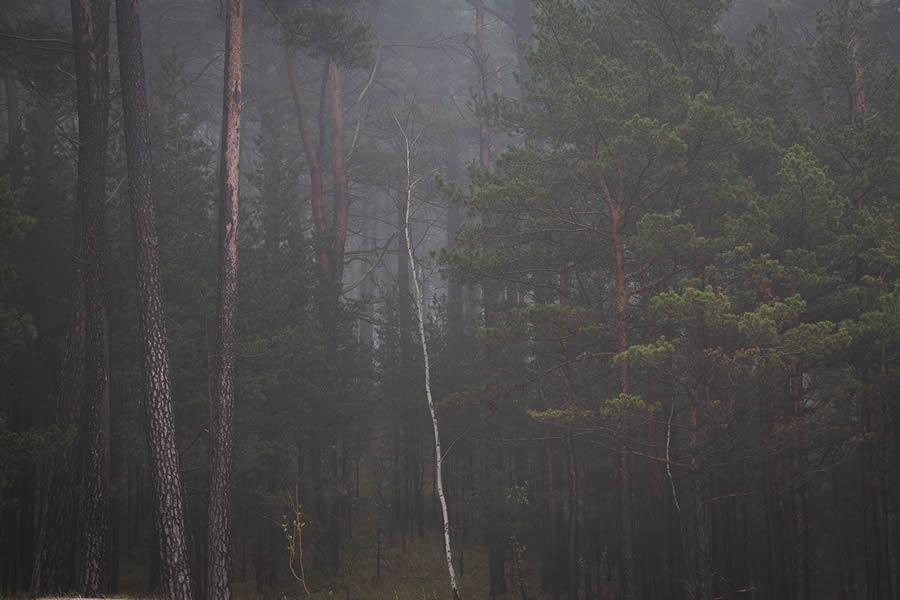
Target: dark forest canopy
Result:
[641, 258]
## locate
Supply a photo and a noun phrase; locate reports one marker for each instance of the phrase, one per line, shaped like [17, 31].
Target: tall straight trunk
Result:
[454, 222]
[316, 195]
[617, 215]
[420, 313]
[481, 62]
[317, 206]
[572, 566]
[341, 190]
[221, 433]
[799, 496]
[628, 574]
[330, 256]
[402, 423]
[551, 552]
[12, 105]
[881, 567]
[857, 107]
[878, 552]
[164, 468]
[330, 301]
[777, 580]
[53, 569]
[699, 582]
[90, 26]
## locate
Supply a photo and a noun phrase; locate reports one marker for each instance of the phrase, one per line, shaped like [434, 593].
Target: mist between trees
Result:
[450, 299]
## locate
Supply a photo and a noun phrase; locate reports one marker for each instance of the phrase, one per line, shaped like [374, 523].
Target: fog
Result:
[450, 299]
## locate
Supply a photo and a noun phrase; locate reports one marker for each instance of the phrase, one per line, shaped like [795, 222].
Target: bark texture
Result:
[221, 429]
[165, 474]
[420, 313]
[90, 26]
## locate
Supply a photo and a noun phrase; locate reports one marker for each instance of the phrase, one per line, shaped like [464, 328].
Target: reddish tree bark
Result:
[90, 26]
[317, 198]
[341, 191]
[221, 427]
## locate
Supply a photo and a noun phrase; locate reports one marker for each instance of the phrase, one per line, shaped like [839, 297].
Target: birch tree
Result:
[420, 313]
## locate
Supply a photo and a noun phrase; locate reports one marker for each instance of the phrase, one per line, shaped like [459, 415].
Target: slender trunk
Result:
[551, 558]
[164, 468]
[53, 570]
[699, 576]
[616, 231]
[879, 584]
[857, 101]
[454, 222]
[573, 517]
[90, 25]
[12, 106]
[840, 534]
[628, 579]
[481, 59]
[875, 486]
[799, 498]
[572, 570]
[341, 191]
[857, 107]
[221, 433]
[317, 199]
[420, 313]
[402, 425]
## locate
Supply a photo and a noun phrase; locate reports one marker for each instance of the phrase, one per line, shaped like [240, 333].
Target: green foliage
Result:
[335, 33]
[16, 328]
[19, 450]
[695, 308]
[651, 355]
[680, 252]
[665, 235]
[623, 405]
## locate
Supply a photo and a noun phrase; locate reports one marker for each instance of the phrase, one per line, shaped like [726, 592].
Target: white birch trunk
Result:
[420, 312]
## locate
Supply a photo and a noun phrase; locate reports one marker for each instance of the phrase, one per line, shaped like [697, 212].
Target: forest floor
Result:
[420, 573]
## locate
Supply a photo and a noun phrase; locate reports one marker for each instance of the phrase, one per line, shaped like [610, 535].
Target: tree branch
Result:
[371, 267]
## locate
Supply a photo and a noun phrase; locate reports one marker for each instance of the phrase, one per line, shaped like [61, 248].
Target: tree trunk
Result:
[53, 570]
[221, 433]
[164, 468]
[420, 312]
[799, 497]
[616, 232]
[90, 26]
[316, 197]
[572, 563]
[12, 106]
[341, 191]
[403, 427]
[484, 141]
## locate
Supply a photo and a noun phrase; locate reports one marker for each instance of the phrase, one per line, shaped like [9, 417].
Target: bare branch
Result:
[372, 267]
[495, 13]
